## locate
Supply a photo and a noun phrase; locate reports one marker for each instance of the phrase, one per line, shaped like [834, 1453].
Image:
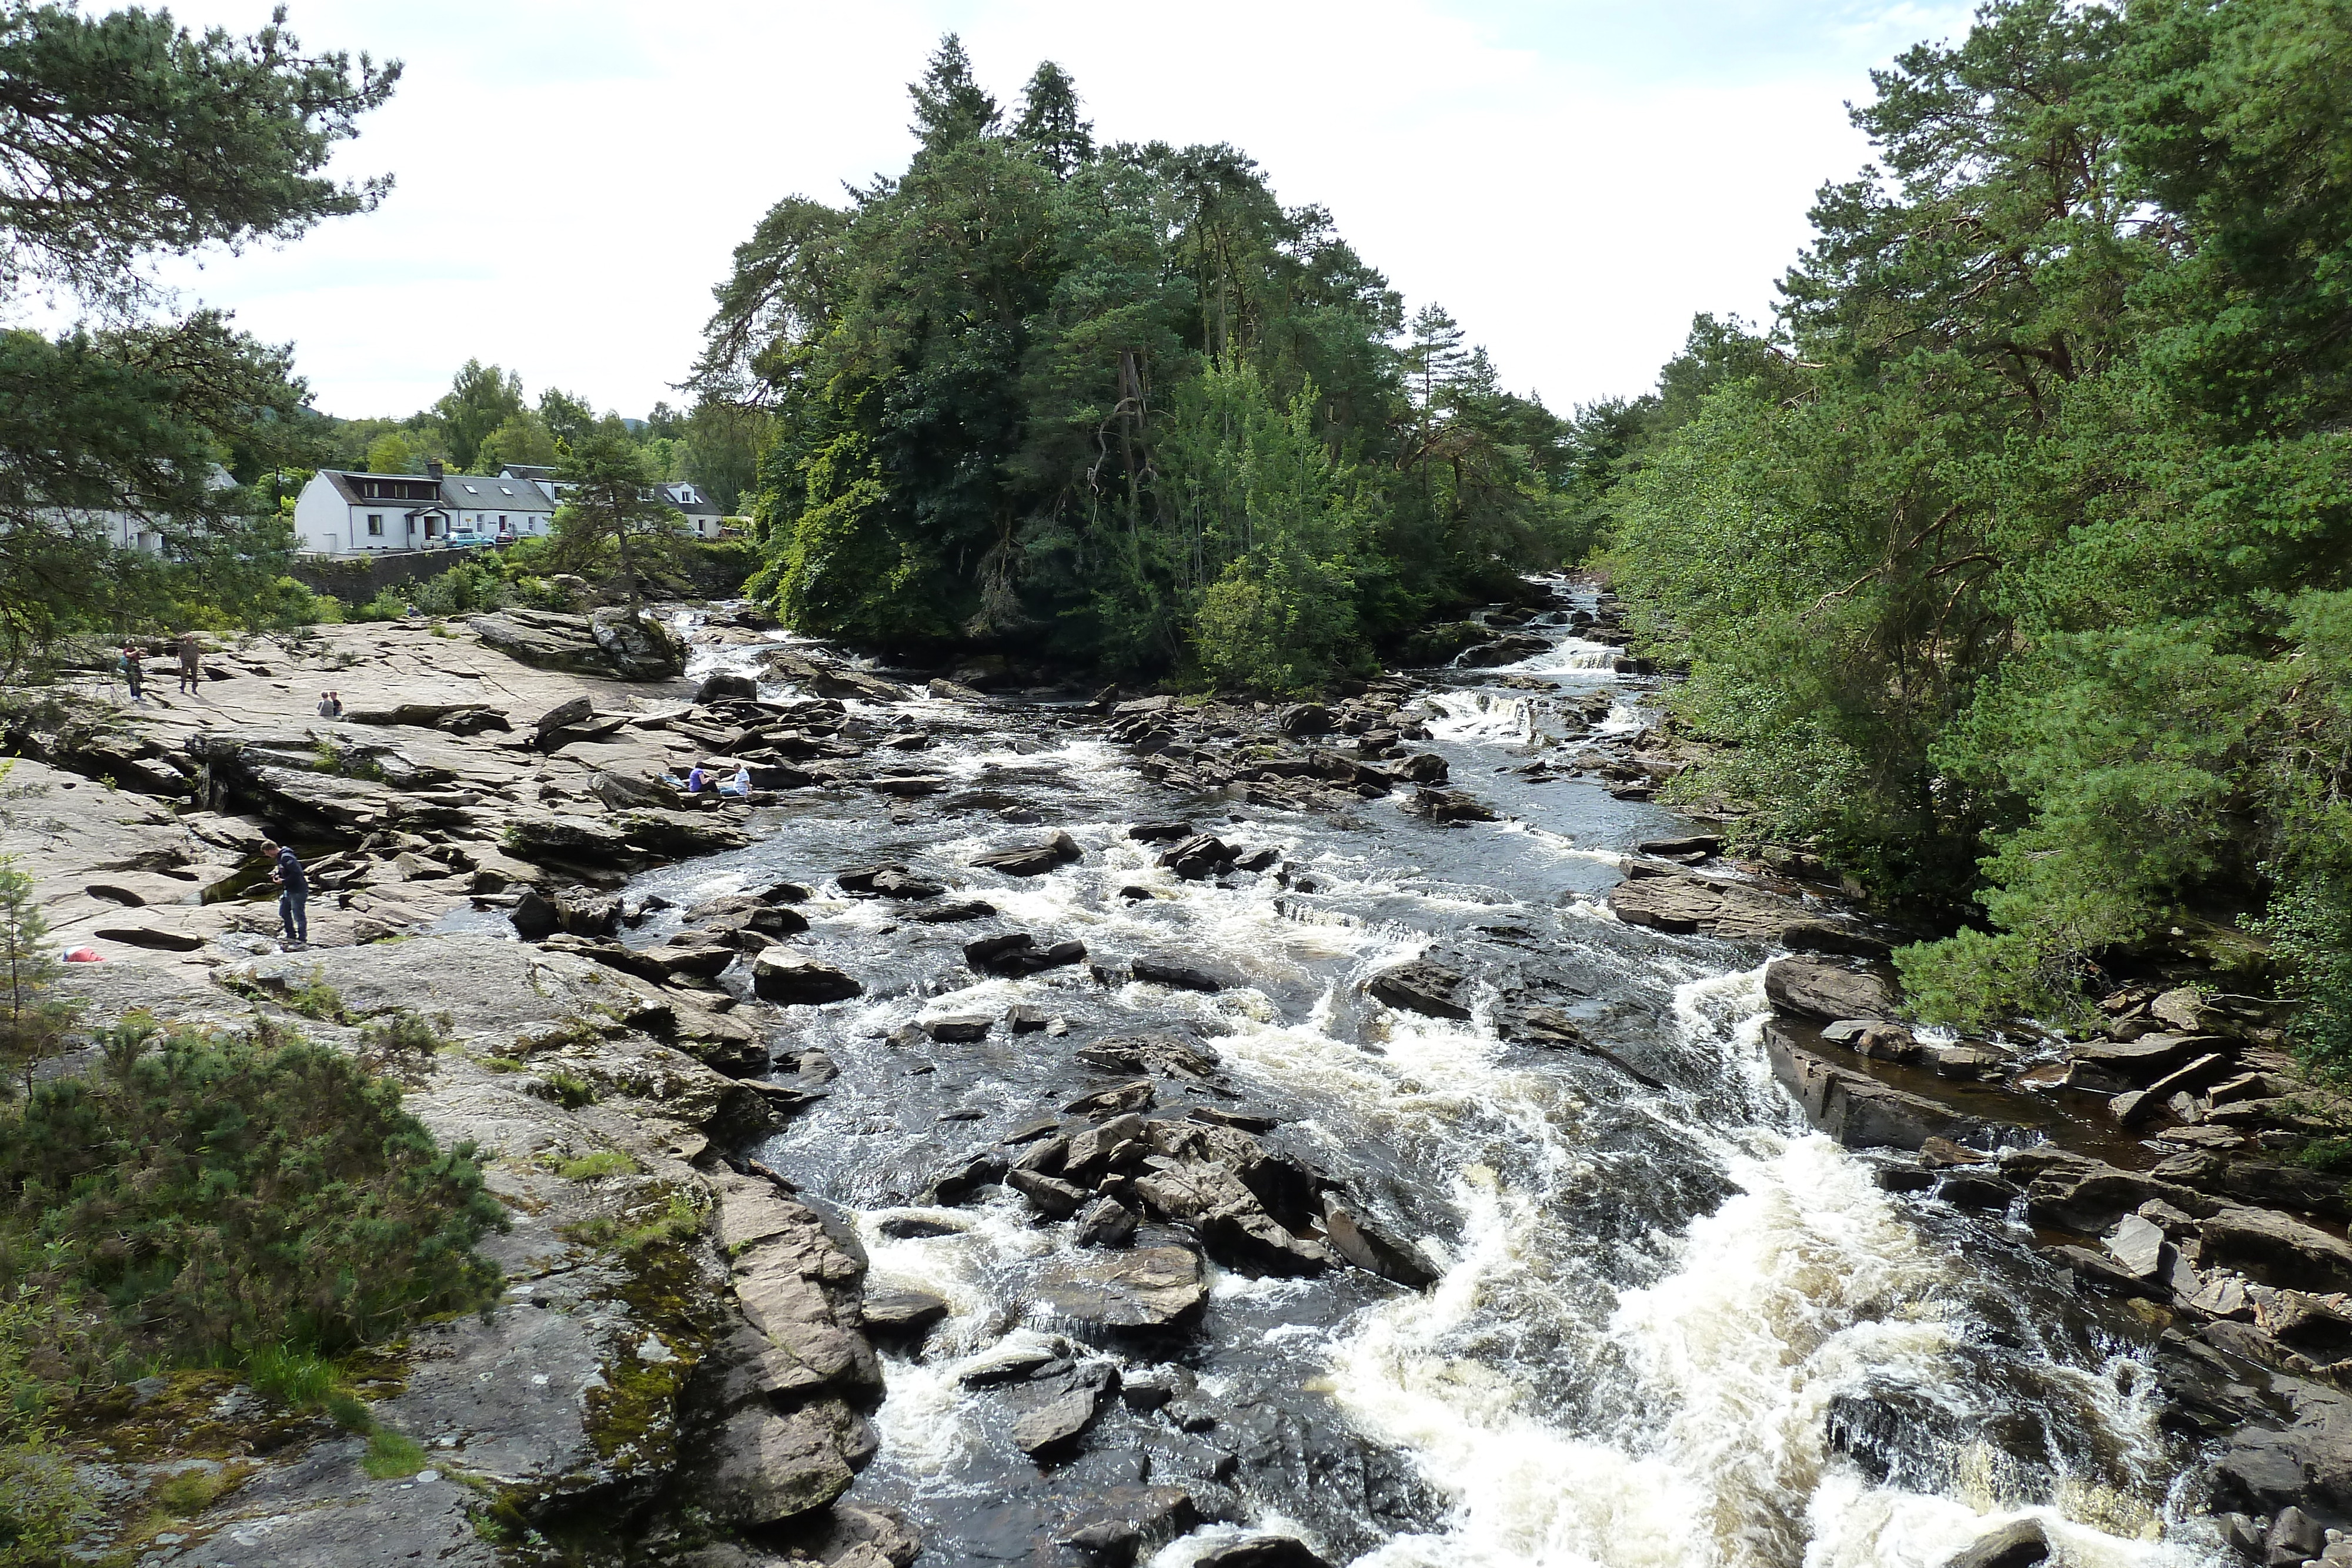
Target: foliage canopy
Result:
[2017, 559]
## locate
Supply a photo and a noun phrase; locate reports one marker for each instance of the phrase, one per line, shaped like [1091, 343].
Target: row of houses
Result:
[342, 512]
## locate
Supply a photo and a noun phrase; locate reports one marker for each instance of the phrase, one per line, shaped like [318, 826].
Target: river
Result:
[1672, 1327]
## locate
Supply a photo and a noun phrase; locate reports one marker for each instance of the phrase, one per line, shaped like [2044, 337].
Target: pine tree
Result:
[1050, 126]
[1435, 355]
[950, 106]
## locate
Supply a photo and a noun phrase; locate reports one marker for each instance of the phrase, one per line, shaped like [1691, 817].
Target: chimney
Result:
[433, 468]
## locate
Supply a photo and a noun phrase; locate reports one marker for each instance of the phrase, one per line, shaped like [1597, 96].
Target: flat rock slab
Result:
[1684, 905]
[1150, 1288]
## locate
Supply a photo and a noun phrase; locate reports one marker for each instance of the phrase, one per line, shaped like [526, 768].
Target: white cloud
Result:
[1572, 181]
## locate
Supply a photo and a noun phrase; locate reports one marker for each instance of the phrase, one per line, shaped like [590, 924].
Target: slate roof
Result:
[493, 493]
[419, 491]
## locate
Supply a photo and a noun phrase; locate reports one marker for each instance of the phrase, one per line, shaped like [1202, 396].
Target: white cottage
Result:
[342, 512]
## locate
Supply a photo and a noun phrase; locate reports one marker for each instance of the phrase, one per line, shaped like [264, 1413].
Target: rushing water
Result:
[1673, 1327]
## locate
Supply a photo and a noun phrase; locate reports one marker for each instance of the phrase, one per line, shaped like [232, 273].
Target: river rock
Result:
[1178, 974]
[1421, 986]
[1050, 1196]
[1261, 1552]
[2275, 1249]
[766, 1469]
[2137, 1246]
[779, 975]
[828, 680]
[1150, 1288]
[1106, 1222]
[563, 715]
[1811, 988]
[725, 686]
[1449, 806]
[1016, 953]
[1054, 1427]
[1162, 1054]
[1370, 1251]
[2019, 1545]
[2148, 1058]
[1688, 904]
[631, 645]
[901, 1317]
[1128, 1520]
[1858, 1111]
[1031, 859]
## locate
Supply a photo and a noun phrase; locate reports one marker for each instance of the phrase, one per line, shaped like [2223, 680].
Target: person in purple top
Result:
[294, 897]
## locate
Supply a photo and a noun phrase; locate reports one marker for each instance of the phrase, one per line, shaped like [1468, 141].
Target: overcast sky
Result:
[1573, 180]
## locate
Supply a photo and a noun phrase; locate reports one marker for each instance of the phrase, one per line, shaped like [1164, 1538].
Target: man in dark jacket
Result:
[294, 895]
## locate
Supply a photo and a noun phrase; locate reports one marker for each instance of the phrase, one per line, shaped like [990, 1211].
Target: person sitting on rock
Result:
[739, 786]
[330, 706]
[294, 892]
[697, 780]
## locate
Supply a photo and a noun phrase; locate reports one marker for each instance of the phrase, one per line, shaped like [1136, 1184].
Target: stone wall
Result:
[355, 579]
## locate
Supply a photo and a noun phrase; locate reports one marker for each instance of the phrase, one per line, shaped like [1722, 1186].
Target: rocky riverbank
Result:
[690, 1362]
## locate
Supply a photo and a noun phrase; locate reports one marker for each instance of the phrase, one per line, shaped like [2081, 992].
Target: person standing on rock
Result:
[133, 675]
[294, 898]
[191, 662]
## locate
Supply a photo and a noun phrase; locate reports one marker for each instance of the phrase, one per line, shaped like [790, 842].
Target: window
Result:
[471, 490]
[375, 524]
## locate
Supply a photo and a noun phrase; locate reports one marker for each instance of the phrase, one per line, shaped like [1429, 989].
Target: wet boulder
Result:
[1859, 1110]
[779, 975]
[2018, 1544]
[1155, 1053]
[1177, 974]
[1127, 1521]
[901, 1317]
[725, 686]
[1016, 953]
[745, 912]
[1814, 988]
[1449, 806]
[1364, 1246]
[1261, 1552]
[1423, 768]
[2275, 1249]
[1031, 859]
[1421, 986]
[1200, 856]
[1050, 1196]
[1053, 1426]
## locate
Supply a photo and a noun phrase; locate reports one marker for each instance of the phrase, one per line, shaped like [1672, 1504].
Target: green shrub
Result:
[460, 590]
[391, 1457]
[401, 1044]
[385, 606]
[290, 1375]
[350, 1412]
[603, 1163]
[190, 1492]
[314, 999]
[571, 1090]
[223, 1196]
